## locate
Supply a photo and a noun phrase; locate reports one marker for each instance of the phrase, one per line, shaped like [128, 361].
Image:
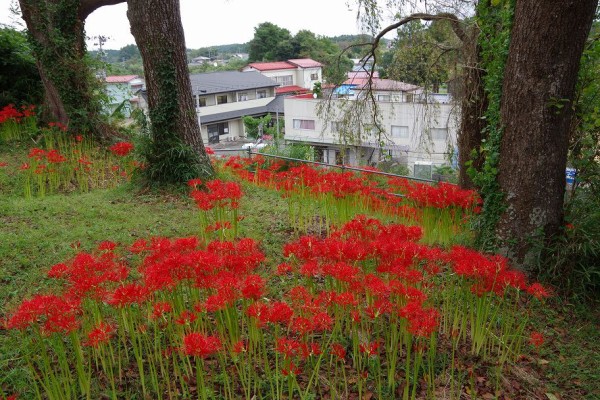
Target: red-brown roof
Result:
[269, 66]
[290, 89]
[305, 63]
[120, 78]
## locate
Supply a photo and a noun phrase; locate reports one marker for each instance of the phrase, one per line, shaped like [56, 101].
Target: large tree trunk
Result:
[56, 33]
[473, 105]
[541, 71]
[156, 27]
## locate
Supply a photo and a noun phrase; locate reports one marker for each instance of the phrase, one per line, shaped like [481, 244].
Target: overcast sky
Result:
[214, 22]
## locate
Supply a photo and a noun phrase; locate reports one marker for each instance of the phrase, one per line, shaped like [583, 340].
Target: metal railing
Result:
[250, 153]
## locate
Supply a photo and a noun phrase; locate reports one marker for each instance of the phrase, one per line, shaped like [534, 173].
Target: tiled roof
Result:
[305, 63]
[120, 78]
[270, 66]
[290, 89]
[275, 106]
[228, 81]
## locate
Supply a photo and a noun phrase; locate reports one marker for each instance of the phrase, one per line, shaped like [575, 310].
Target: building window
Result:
[286, 80]
[308, 124]
[399, 132]
[439, 134]
[261, 94]
[222, 99]
[242, 96]
[202, 101]
[409, 97]
[314, 77]
[383, 97]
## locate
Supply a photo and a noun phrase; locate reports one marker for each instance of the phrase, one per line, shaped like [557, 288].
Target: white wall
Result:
[422, 123]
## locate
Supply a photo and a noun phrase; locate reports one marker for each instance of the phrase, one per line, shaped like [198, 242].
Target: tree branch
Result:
[89, 6]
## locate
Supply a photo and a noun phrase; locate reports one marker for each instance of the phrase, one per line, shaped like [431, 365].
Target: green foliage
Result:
[252, 125]
[422, 54]
[20, 82]
[495, 24]
[169, 160]
[270, 43]
[231, 65]
[61, 55]
[292, 150]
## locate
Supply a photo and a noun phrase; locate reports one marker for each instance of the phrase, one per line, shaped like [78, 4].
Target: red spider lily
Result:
[288, 347]
[209, 150]
[24, 167]
[129, 294]
[370, 349]
[161, 308]
[280, 312]
[292, 370]
[185, 318]
[199, 345]
[58, 126]
[536, 339]
[338, 351]
[322, 322]
[121, 149]
[107, 245]
[240, 347]
[253, 287]
[101, 333]
[52, 313]
[284, 268]
[219, 194]
[9, 112]
[538, 291]
[194, 182]
[302, 325]
[54, 157]
[37, 154]
[421, 322]
[86, 274]
[3, 164]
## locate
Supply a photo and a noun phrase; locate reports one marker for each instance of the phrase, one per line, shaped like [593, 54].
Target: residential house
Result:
[413, 128]
[293, 76]
[222, 99]
[123, 90]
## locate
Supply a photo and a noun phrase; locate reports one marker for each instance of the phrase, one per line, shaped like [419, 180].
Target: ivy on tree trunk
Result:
[536, 110]
[55, 30]
[156, 27]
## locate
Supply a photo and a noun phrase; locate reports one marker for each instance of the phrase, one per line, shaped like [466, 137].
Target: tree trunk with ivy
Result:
[55, 29]
[473, 105]
[156, 27]
[536, 109]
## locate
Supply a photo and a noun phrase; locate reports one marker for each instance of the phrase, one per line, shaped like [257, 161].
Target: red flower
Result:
[536, 339]
[338, 350]
[538, 291]
[194, 182]
[370, 349]
[209, 150]
[121, 148]
[107, 245]
[129, 294]
[99, 335]
[199, 345]
[161, 308]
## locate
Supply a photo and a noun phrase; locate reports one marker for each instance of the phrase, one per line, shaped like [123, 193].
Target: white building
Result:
[293, 76]
[392, 120]
[222, 99]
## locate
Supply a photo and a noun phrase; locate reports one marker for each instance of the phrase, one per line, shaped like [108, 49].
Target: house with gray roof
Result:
[222, 99]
